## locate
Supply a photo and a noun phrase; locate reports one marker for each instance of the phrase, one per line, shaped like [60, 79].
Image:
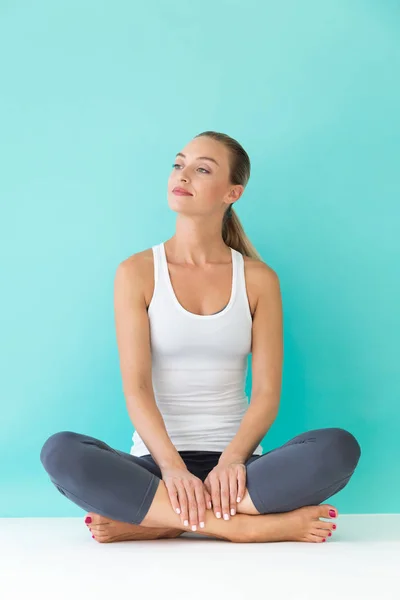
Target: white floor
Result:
[57, 558]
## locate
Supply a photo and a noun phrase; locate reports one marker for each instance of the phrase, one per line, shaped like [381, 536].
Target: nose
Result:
[182, 174]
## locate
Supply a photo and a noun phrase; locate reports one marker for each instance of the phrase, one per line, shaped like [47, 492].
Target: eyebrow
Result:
[200, 158]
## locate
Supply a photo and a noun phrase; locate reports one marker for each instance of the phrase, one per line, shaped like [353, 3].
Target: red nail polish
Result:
[88, 520]
[334, 526]
[324, 540]
[93, 537]
[329, 533]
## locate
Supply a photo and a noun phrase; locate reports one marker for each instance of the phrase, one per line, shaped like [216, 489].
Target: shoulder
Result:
[262, 278]
[137, 260]
[261, 274]
[134, 268]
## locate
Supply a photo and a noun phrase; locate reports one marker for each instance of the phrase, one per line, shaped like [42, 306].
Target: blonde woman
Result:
[188, 313]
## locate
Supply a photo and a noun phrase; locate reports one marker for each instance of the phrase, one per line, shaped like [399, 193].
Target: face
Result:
[207, 180]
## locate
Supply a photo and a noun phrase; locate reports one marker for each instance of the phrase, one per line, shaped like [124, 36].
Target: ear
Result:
[236, 192]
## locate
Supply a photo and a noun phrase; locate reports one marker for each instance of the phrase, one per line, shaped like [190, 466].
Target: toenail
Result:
[88, 520]
[332, 513]
[334, 526]
[93, 536]
[324, 540]
[329, 533]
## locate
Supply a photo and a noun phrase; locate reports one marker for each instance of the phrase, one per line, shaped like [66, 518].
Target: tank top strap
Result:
[157, 266]
[241, 288]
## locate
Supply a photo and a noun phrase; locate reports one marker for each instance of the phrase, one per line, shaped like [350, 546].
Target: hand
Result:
[187, 494]
[227, 485]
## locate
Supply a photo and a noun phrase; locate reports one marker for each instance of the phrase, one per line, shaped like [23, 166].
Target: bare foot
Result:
[300, 525]
[105, 530]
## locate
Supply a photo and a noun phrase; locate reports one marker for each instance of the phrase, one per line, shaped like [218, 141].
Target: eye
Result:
[177, 165]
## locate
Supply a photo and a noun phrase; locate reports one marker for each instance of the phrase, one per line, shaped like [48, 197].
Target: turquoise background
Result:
[97, 98]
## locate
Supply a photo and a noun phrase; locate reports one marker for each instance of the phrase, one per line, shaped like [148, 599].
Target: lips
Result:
[181, 192]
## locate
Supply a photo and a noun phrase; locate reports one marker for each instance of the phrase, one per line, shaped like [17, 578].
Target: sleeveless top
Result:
[199, 364]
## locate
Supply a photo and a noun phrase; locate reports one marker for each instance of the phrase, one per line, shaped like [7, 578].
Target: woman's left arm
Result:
[267, 363]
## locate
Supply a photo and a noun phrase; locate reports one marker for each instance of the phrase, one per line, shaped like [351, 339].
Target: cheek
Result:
[210, 189]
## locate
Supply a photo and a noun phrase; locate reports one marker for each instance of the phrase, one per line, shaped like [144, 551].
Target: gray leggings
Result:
[306, 470]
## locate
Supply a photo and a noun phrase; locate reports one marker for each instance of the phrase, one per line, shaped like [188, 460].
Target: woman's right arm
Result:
[133, 340]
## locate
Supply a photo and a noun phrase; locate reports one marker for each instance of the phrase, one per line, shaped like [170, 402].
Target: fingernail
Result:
[218, 515]
[232, 511]
[238, 499]
[332, 513]
[202, 524]
[226, 517]
[186, 523]
[88, 520]
[178, 510]
[194, 527]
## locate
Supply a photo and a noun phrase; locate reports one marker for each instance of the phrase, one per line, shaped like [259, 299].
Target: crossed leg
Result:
[302, 524]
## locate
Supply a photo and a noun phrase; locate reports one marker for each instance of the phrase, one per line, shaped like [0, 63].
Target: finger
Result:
[173, 496]
[242, 484]
[201, 505]
[207, 491]
[233, 492]
[183, 503]
[216, 496]
[193, 518]
[224, 483]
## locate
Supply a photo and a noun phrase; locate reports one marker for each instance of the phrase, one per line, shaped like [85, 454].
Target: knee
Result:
[56, 449]
[345, 447]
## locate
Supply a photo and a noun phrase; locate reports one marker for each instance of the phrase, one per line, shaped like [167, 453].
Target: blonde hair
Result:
[232, 231]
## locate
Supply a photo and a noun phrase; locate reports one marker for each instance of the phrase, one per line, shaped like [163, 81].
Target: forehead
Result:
[205, 147]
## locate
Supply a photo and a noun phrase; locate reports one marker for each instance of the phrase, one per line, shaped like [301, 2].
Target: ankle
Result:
[245, 528]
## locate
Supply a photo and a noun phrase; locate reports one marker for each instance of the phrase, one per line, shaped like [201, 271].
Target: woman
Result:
[188, 312]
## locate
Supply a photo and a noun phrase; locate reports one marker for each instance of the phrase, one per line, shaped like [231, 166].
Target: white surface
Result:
[57, 558]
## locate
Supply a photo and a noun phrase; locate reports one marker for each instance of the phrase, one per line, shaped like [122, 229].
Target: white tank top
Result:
[199, 364]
